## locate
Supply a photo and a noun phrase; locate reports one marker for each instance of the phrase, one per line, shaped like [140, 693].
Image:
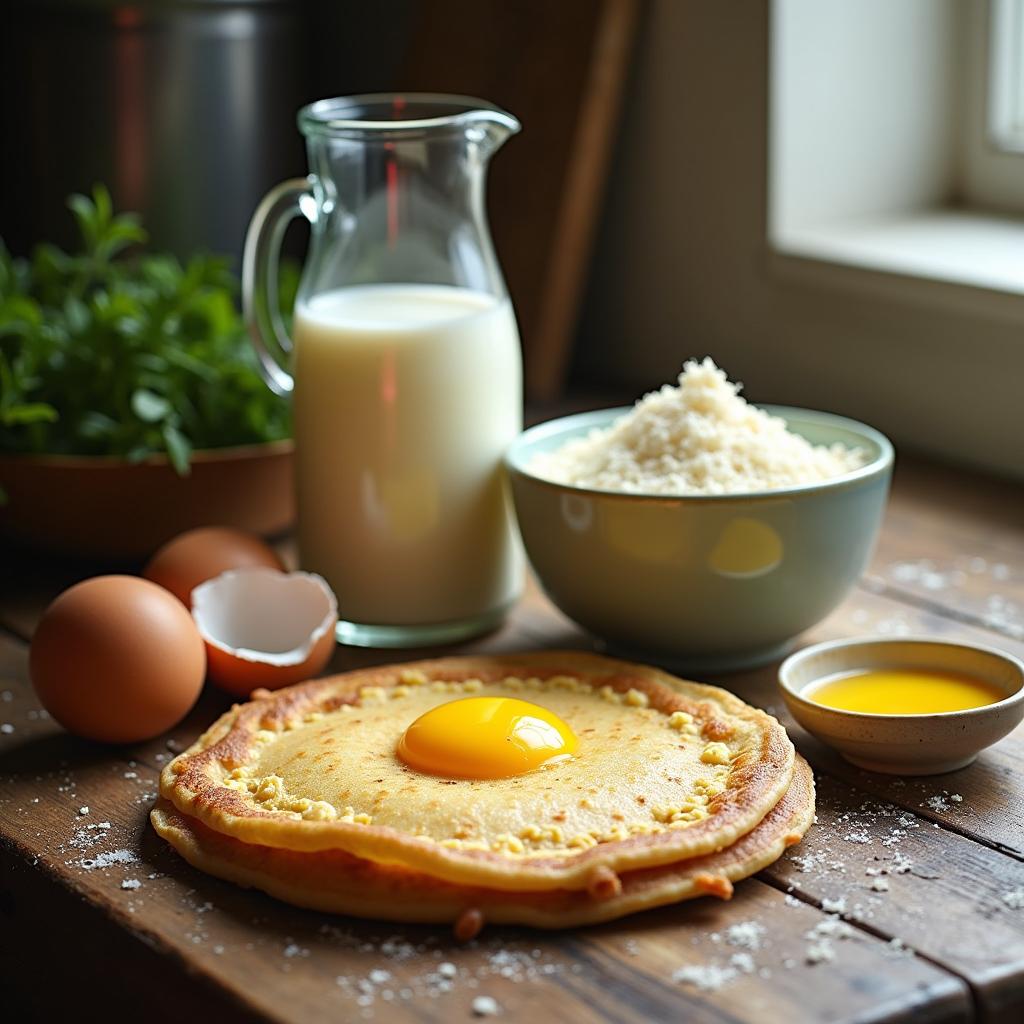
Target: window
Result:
[990, 37]
[1006, 75]
[897, 143]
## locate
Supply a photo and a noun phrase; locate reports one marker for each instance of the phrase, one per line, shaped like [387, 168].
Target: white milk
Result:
[405, 398]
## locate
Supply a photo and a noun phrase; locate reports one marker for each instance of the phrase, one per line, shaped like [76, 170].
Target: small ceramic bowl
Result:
[905, 744]
[701, 582]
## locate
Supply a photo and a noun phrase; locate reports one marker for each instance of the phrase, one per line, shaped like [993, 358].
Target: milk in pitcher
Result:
[405, 398]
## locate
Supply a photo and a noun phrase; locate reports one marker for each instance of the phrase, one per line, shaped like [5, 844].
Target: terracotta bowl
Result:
[102, 508]
[905, 744]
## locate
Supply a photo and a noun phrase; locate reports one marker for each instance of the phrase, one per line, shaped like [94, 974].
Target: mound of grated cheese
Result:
[698, 438]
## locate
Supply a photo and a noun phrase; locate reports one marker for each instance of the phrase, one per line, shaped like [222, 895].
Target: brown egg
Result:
[199, 555]
[117, 659]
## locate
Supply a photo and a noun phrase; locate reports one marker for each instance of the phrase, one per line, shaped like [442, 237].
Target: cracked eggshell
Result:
[264, 628]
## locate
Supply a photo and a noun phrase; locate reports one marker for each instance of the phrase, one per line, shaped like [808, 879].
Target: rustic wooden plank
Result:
[285, 964]
[991, 812]
[965, 502]
[760, 943]
[955, 542]
[56, 946]
[951, 899]
[279, 963]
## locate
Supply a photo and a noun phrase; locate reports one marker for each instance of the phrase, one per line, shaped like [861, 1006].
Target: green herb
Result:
[122, 352]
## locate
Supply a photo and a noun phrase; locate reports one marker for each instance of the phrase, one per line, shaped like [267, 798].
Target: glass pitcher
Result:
[404, 369]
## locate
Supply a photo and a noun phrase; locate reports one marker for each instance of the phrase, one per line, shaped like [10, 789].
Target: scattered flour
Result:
[820, 952]
[698, 438]
[897, 948]
[743, 962]
[745, 934]
[940, 802]
[106, 860]
[820, 948]
[485, 1006]
[400, 970]
[858, 837]
[805, 862]
[901, 864]
[1015, 899]
[706, 977]
[131, 883]
[999, 612]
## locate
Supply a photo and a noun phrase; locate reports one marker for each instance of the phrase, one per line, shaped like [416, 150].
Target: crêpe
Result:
[335, 881]
[665, 770]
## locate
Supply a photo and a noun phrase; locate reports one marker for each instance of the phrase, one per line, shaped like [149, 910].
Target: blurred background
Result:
[825, 196]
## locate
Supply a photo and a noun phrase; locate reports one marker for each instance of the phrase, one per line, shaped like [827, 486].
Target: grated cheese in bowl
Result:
[698, 438]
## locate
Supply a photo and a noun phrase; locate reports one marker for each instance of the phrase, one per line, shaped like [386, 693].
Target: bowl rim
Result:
[879, 466]
[789, 691]
[229, 453]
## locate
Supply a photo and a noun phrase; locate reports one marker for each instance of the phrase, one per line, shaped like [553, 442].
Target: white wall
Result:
[861, 99]
[683, 267]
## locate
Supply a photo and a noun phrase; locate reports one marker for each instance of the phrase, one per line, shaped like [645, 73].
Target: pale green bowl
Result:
[702, 582]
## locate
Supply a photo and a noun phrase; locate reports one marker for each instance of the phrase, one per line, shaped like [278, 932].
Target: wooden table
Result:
[904, 902]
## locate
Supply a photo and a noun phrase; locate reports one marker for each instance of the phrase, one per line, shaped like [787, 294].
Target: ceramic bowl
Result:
[905, 744]
[701, 582]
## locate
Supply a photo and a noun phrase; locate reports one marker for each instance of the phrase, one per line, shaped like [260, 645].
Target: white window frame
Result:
[1006, 75]
[950, 233]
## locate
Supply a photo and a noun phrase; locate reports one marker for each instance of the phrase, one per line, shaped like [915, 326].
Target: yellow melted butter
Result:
[904, 692]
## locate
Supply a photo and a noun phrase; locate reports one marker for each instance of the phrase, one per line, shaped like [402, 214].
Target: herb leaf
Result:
[116, 350]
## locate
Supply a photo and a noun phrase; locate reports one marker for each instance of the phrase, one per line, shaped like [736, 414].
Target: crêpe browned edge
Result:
[757, 779]
[337, 882]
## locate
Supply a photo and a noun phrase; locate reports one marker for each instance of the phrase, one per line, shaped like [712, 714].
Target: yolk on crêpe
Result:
[485, 738]
[904, 692]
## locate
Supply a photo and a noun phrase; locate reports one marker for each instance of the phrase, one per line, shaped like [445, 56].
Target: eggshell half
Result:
[265, 628]
[199, 555]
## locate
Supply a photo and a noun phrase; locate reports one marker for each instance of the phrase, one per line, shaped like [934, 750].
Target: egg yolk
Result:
[485, 738]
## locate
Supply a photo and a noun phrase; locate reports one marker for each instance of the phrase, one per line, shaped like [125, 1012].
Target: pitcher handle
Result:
[260, 305]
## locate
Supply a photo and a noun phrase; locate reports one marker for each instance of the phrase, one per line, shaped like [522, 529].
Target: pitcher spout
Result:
[491, 127]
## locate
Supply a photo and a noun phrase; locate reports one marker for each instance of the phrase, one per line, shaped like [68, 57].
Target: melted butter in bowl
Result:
[903, 692]
[914, 706]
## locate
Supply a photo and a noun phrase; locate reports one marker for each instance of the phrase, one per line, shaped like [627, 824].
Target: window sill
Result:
[969, 261]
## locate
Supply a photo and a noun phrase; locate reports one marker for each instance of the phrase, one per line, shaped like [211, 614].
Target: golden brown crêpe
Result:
[335, 881]
[665, 770]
